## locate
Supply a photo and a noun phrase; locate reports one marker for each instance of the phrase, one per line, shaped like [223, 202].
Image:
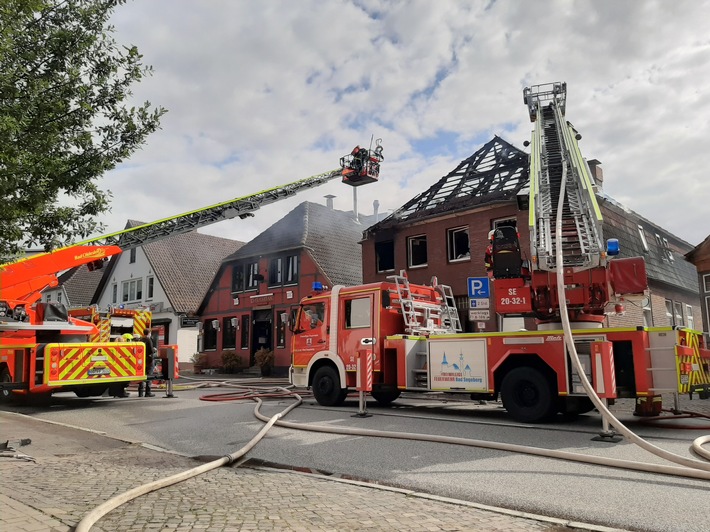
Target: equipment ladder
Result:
[426, 317]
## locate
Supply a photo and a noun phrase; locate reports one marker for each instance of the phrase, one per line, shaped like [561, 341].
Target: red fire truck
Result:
[407, 337]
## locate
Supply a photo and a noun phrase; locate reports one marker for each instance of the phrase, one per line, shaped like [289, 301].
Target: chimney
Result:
[597, 175]
[329, 201]
[375, 210]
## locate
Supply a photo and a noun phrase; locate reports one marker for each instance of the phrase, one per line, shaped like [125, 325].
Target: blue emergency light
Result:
[612, 247]
[317, 286]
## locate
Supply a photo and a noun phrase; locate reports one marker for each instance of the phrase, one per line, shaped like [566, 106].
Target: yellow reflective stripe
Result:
[583, 170]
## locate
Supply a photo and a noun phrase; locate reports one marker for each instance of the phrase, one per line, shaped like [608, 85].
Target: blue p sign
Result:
[478, 287]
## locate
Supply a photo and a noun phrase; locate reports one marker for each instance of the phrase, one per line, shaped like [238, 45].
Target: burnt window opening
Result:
[238, 278]
[384, 256]
[457, 243]
[253, 277]
[275, 277]
[416, 247]
[291, 270]
[210, 335]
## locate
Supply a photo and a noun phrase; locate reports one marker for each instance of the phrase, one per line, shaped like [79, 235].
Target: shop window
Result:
[244, 330]
[281, 330]
[291, 270]
[209, 333]
[229, 333]
[384, 256]
[416, 247]
[457, 244]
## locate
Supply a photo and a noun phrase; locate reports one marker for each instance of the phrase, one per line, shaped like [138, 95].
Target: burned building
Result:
[443, 232]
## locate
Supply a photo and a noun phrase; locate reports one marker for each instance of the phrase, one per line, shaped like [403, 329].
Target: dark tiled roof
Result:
[186, 264]
[699, 252]
[80, 285]
[623, 224]
[495, 172]
[331, 236]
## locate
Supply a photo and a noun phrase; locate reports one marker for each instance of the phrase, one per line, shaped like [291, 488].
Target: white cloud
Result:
[265, 93]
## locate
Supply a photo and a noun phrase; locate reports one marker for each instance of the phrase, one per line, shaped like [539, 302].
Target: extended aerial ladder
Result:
[25, 278]
[557, 171]
[554, 157]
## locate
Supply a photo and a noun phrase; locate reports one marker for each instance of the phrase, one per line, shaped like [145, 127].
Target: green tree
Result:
[64, 120]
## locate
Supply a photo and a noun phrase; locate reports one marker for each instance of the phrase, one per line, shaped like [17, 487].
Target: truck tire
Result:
[326, 387]
[385, 397]
[5, 395]
[528, 395]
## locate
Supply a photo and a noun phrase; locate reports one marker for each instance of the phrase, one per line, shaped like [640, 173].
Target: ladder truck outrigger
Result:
[45, 349]
[407, 337]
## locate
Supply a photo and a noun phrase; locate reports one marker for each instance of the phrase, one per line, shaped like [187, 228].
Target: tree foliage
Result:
[64, 120]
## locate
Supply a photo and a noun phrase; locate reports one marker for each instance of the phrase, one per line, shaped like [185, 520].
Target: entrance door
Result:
[261, 332]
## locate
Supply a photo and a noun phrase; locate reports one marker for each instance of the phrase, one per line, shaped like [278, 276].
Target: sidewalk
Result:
[76, 470]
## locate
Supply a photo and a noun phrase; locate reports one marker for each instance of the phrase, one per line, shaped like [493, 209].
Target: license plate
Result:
[99, 371]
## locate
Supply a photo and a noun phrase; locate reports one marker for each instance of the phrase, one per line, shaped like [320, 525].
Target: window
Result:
[668, 250]
[275, 278]
[669, 311]
[457, 244]
[706, 282]
[132, 258]
[644, 242]
[384, 256]
[253, 272]
[505, 222]
[49, 298]
[357, 313]
[689, 316]
[229, 333]
[291, 269]
[150, 281]
[59, 297]
[114, 293]
[245, 331]
[238, 278]
[132, 290]
[416, 246]
[281, 330]
[678, 313]
[209, 332]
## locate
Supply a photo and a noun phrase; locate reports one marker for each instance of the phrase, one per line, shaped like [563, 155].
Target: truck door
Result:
[357, 322]
[309, 333]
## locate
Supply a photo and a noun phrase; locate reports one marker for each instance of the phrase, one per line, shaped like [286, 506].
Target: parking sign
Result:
[478, 287]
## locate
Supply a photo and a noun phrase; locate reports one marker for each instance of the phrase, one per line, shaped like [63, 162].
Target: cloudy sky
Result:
[264, 93]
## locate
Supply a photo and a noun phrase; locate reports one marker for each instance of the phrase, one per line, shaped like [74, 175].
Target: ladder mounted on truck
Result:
[422, 316]
[555, 157]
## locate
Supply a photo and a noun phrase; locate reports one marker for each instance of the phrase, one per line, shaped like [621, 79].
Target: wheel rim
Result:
[326, 385]
[527, 394]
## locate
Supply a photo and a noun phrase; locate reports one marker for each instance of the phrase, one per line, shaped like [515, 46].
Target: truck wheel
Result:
[5, 377]
[326, 387]
[528, 395]
[385, 397]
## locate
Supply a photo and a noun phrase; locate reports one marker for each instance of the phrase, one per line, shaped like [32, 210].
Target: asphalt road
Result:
[594, 494]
